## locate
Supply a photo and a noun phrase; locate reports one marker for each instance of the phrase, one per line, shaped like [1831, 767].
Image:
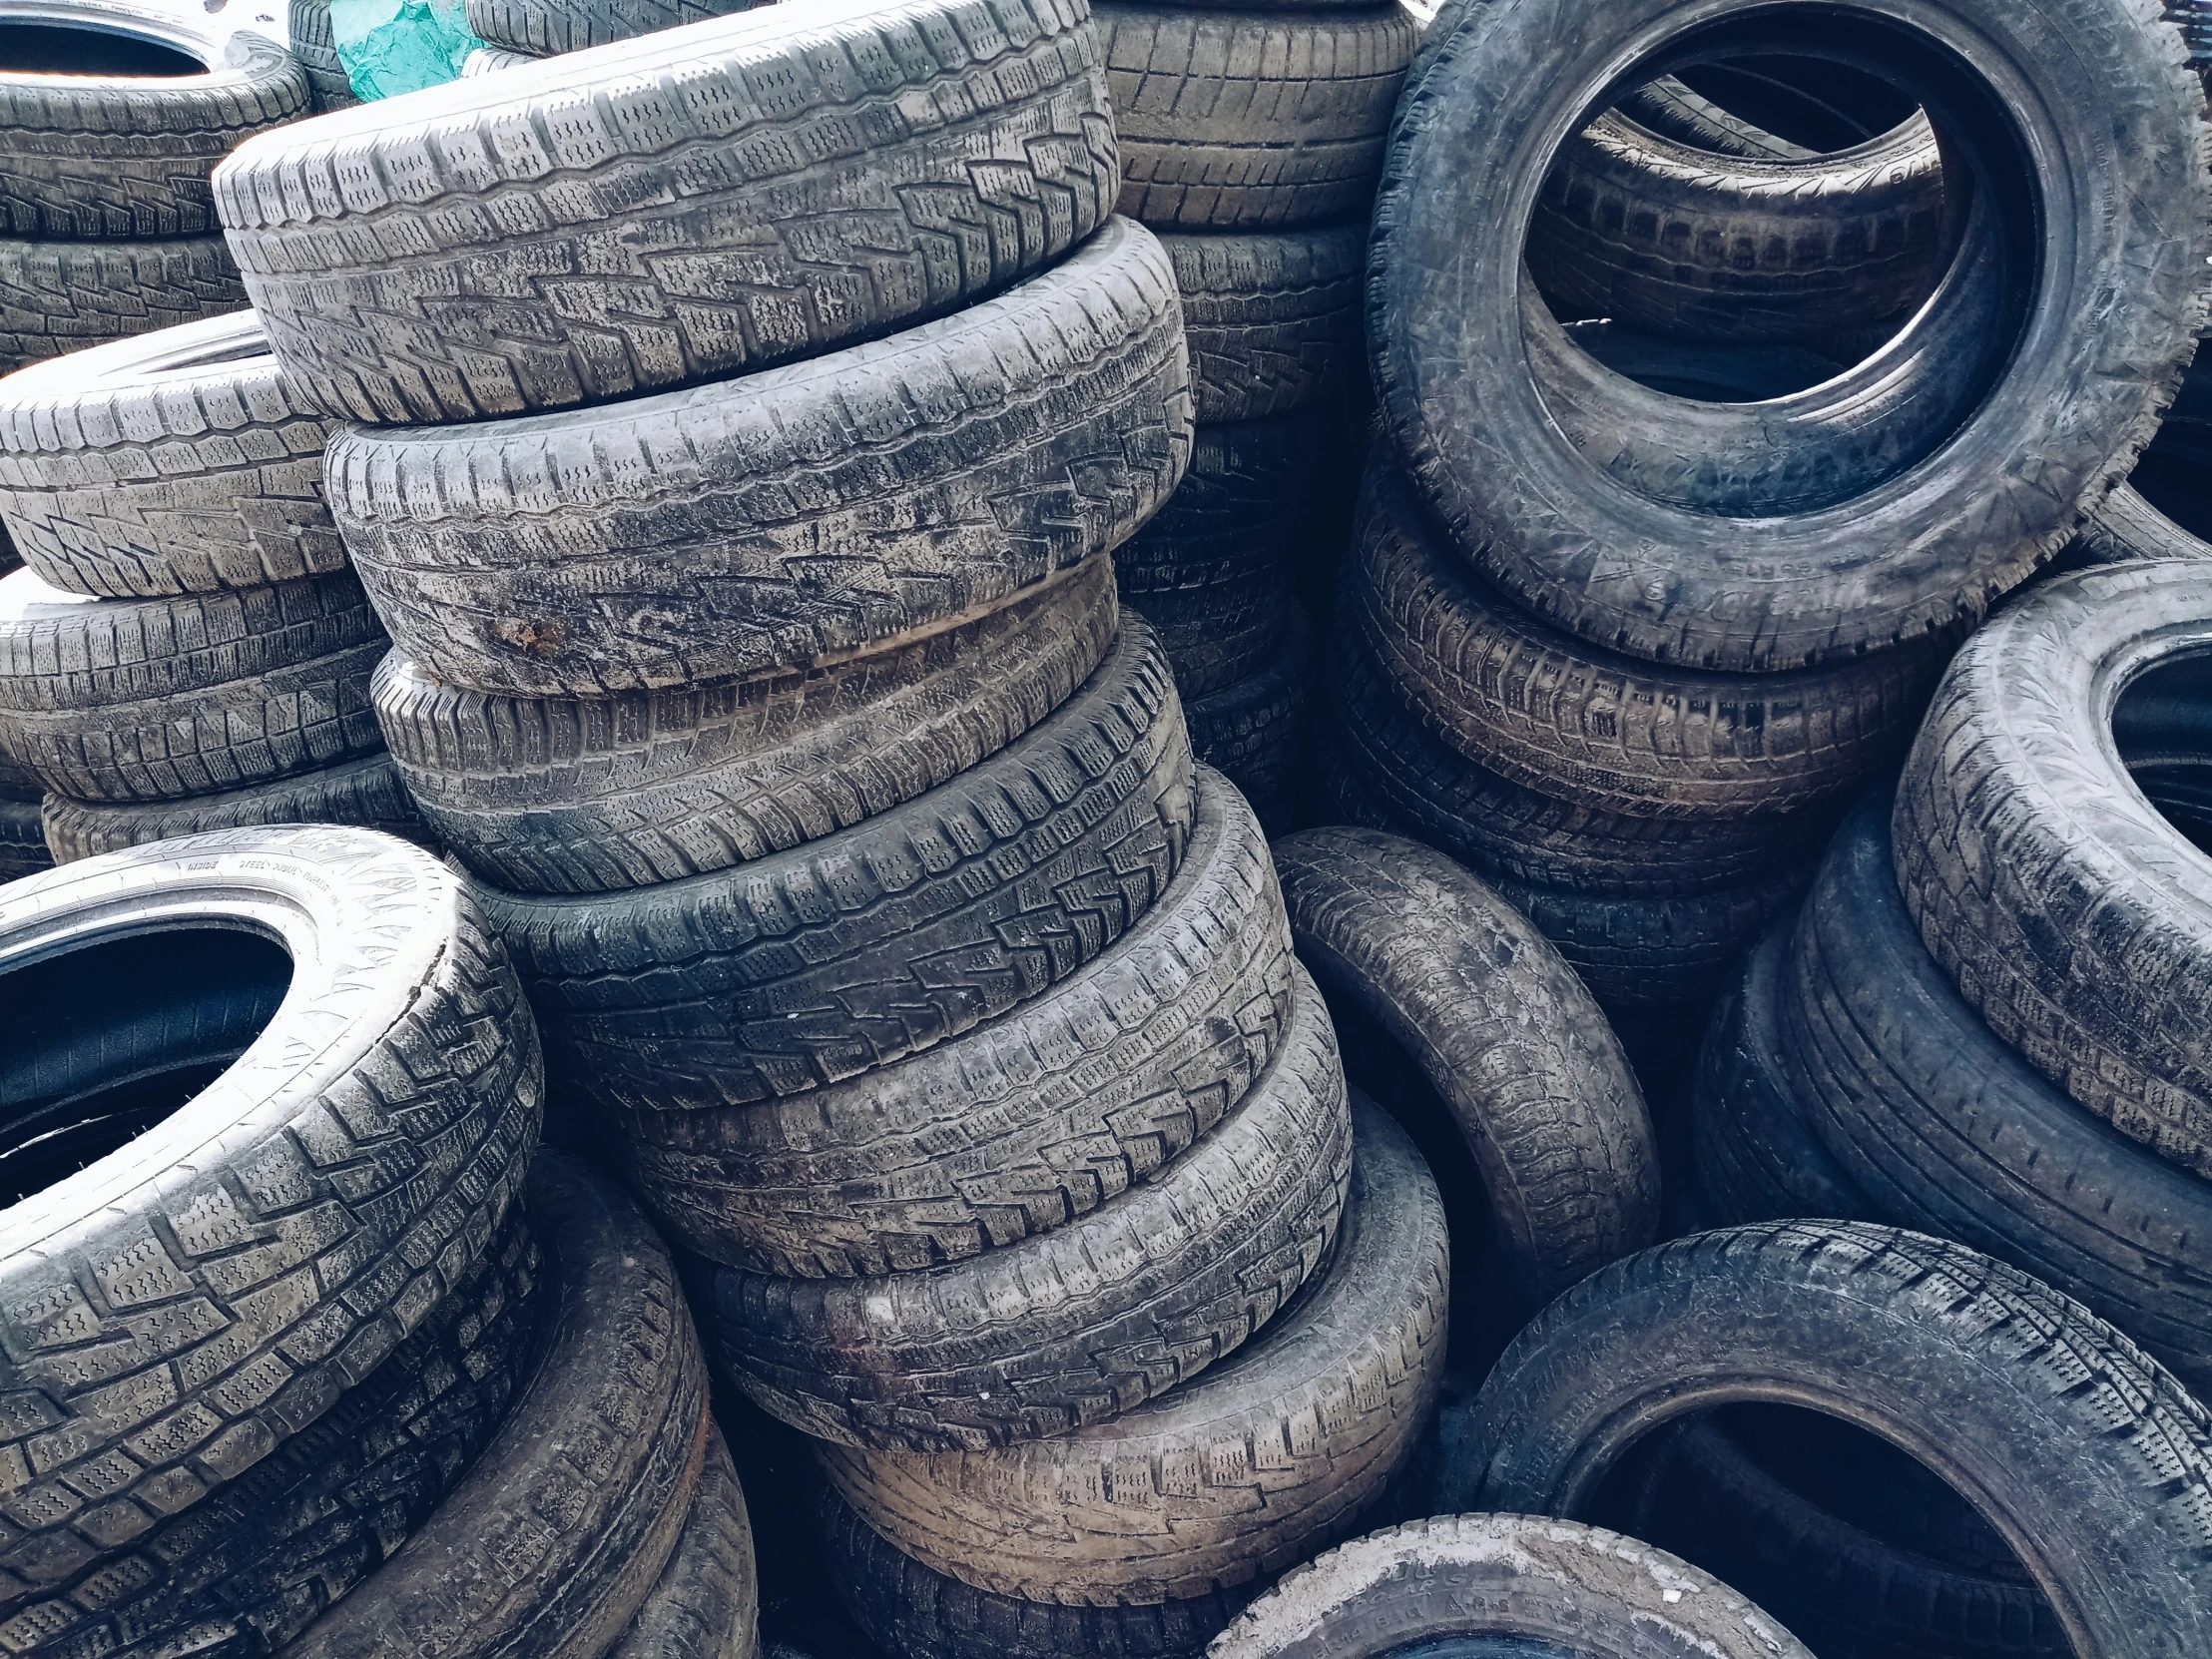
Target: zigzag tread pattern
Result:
[1274, 319]
[60, 296]
[367, 791]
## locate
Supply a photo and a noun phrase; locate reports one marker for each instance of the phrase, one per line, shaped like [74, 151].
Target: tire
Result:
[367, 792]
[94, 152]
[1255, 730]
[1075, 1326]
[885, 939]
[58, 297]
[2073, 915]
[545, 27]
[1949, 525]
[1662, 234]
[1217, 636]
[490, 60]
[707, 1604]
[1504, 1031]
[566, 795]
[1273, 318]
[1702, 373]
[1053, 1109]
[2125, 527]
[1273, 1453]
[1949, 1130]
[23, 849]
[375, 1123]
[1495, 1587]
[1244, 121]
[679, 539]
[553, 1541]
[246, 1571]
[174, 463]
[328, 87]
[905, 200]
[1242, 509]
[1585, 725]
[149, 700]
[1674, 110]
[1999, 1384]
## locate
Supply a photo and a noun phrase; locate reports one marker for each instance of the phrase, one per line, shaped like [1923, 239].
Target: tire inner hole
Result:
[71, 49]
[2162, 726]
[101, 1044]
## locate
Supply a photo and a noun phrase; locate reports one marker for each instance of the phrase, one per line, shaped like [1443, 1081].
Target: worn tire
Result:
[2073, 915]
[1910, 1338]
[309, 31]
[1216, 636]
[58, 297]
[23, 849]
[2125, 527]
[1906, 550]
[490, 60]
[367, 792]
[770, 520]
[1044, 1114]
[1504, 1031]
[570, 794]
[1071, 1326]
[1273, 317]
[829, 176]
[707, 1604]
[143, 699]
[1497, 1586]
[174, 463]
[543, 27]
[1245, 121]
[846, 953]
[1273, 1453]
[1256, 731]
[298, 1217]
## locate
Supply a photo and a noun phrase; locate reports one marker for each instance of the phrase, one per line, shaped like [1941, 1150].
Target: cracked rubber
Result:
[756, 188]
[367, 792]
[58, 297]
[1273, 317]
[707, 1604]
[1071, 1326]
[772, 520]
[543, 27]
[1089, 1089]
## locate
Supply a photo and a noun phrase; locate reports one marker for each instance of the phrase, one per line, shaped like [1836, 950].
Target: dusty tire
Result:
[1244, 121]
[681, 538]
[58, 297]
[1044, 1114]
[2073, 915]
[707, 1604]
[1273, 317]
[1495, 90]
[1271, 1455]
[1256, 731]
[842, 203]
[555, 1539]
[846, 953]
[1910, 1338]
[1524, 1583]
[367, 793]
[571, 794]
[542, 28]
[143, 700]
[1504, 1031]
[309, 31]
[1075, 1326]
[375, 1123]
[174, 463]
[2125, 527]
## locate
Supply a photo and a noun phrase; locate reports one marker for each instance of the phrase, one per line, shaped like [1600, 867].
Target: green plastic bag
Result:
[392, 45]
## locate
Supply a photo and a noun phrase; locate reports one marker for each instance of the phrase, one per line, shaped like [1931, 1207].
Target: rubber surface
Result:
[1273, 317]
[367, 792]
[707, 1604]
[58, 297]
[544, 27]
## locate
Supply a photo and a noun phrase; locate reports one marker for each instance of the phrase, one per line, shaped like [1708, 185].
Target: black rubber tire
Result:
[1217, 634]
[1505, 1034]
[2005, 1388]
[568, 795]
[377, 1127]
[1582, 724]
[542, 28]
[553, 1540]
[1247, 121]
[707, 1604]
[1663, 234]
[1256, 731]
[1951, 1131]
[58, 297]
[2125, 527]
[1273, 317]
[1089, 1089]
[86, 154]
[1755, 1156]
[825, 181]
[1270, 1456]
[174, 463]
[766, 521]
[846, 953]
[367, 792]
[2075, 917]
[143, 699]
[309, 31]
[243, 1573]
[1071, 1326]
[1675, 110]
[1501, 1587]
[1929, 544]
[23, 849]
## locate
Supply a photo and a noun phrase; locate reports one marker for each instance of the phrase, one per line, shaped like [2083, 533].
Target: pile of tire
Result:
[1251, 141]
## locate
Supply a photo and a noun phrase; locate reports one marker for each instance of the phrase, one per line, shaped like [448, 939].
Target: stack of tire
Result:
[1252, 140]
[110, 116]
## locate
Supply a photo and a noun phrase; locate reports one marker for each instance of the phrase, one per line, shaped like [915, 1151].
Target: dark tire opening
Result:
[1480, 1647]
[2162, 723]
[75, 48]
[1818, 107]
